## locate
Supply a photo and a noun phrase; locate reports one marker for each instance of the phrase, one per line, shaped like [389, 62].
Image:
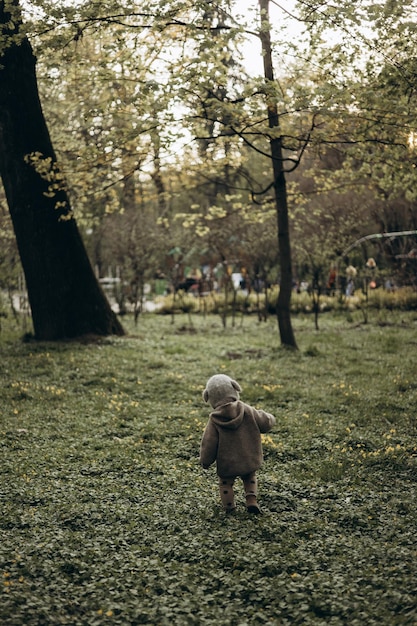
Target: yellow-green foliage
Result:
[404, 298]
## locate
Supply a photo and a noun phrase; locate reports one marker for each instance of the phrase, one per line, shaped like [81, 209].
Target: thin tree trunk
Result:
[65, 297]
[284, 247]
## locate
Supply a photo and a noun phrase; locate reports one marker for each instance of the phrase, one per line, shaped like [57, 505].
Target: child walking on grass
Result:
[232, 438]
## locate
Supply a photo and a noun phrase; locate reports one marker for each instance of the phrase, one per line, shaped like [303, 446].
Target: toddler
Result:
[232, 438]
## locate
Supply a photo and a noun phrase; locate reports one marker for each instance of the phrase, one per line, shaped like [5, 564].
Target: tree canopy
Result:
[158, 116]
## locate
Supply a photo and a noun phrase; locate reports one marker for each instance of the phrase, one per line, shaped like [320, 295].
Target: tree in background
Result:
[65, 297]
[363, 89]
[279, 167]
[233, 114]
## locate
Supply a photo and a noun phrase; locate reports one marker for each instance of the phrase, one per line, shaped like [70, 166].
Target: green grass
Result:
[107, 518]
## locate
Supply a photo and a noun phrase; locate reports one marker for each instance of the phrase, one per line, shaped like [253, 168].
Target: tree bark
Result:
[284, 245]
[65, 297]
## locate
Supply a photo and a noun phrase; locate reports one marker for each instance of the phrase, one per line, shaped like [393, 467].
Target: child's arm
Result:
[208, 447]
[266, 421]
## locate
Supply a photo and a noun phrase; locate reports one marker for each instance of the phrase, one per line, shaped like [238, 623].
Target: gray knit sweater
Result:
[232, 438]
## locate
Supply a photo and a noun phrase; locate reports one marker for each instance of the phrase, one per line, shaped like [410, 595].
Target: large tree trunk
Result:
[65, 297]
[284, 246]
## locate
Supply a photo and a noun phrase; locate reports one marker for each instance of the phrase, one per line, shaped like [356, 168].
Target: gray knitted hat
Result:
[221, 389]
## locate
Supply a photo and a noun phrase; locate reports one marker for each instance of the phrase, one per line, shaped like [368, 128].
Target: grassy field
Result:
[107, 518]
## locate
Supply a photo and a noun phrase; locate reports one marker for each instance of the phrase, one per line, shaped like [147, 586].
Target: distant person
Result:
[232, 438]
[351, 273]
[331, 281]
[350, 288]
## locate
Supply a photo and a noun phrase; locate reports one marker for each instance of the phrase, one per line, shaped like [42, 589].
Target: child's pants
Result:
[227, 494]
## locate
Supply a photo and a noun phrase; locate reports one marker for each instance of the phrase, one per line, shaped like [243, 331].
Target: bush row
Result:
[404, 298]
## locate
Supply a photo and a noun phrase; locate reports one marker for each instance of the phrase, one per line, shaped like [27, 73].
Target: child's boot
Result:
[251, 490]
[252, 505]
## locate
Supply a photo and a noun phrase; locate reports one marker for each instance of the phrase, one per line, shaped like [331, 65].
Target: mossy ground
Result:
[107, 518]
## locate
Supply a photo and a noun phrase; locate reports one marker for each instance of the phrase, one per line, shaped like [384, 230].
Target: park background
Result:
[177, 152]
[176, 156]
